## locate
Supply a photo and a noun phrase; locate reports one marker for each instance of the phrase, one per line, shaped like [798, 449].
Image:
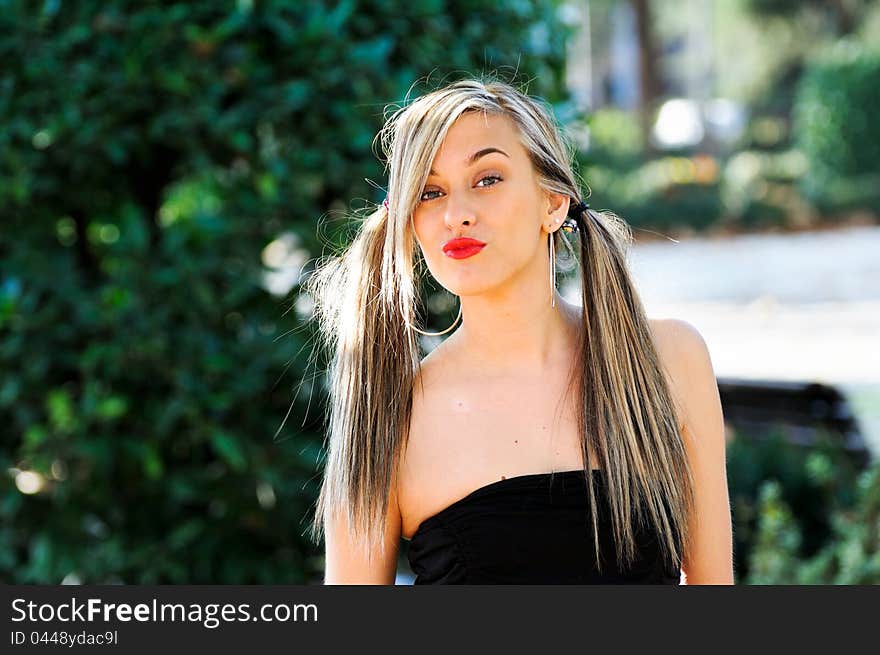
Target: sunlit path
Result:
[784, 307]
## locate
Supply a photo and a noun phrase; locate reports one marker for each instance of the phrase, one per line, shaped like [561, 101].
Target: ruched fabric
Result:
[530, 529]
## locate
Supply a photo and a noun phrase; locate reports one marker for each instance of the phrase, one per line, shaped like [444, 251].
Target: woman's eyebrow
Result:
[479, 153]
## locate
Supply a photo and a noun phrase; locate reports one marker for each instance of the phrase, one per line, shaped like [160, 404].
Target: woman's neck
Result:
[512, 335]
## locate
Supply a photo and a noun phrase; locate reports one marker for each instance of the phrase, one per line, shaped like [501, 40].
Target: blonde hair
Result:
[366, 299]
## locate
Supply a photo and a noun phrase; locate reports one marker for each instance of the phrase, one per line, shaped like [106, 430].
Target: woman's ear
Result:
[557, 210]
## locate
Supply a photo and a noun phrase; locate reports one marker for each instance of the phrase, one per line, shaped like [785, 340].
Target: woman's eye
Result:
[482, 179]
[490, 177]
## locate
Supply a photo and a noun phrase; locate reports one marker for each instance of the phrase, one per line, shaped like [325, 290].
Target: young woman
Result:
[541, 442]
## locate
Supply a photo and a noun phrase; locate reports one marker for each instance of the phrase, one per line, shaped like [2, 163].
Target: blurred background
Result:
[170, 172]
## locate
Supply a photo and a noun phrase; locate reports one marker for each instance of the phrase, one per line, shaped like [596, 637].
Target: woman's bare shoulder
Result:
[676, 340]
[434, 366]
[688, 365]
[680, 348]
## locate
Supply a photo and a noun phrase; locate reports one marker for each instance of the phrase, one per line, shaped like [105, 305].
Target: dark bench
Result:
[801, 411]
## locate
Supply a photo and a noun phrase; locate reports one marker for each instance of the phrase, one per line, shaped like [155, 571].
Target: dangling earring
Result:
[552, 270]
[437, 334]
[413, 327]
[568, 225]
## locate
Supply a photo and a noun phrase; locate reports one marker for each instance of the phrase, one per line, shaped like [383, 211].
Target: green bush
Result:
[149, 154]
[761, 188]
[615, 139]
[813, 481]
[664, 193]
[851, 555]
[836, 128]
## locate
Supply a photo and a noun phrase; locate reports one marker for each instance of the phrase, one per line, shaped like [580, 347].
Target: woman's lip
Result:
[462, 243]
[463, 252]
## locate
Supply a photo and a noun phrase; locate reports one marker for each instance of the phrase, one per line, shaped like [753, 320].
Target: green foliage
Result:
[615, 138]
[778, 538]
[773, 7]
[809, 485]
[836, 128]
[840, 17]
[760, 188]
[851, 555]
[665, 193]
[148, 156]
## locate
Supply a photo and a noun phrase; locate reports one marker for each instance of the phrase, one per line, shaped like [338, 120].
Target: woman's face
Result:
[482, 186]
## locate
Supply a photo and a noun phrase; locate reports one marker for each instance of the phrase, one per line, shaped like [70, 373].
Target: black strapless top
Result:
[530, 529]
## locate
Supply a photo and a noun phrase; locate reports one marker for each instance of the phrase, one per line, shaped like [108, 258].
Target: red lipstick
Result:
[462, 247]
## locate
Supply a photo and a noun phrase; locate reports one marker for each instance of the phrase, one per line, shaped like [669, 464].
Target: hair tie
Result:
[578, 208]
[385, 203]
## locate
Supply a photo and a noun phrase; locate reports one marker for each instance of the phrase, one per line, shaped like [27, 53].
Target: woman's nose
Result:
[457, 213]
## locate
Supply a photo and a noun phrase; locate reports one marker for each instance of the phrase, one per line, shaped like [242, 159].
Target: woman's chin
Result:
[470, 288]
